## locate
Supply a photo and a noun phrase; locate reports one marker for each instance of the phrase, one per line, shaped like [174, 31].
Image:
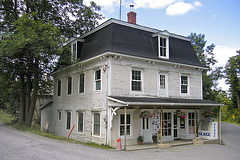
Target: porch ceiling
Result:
[170, 103]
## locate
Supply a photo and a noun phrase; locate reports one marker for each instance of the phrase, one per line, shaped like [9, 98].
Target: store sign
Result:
[204, 134]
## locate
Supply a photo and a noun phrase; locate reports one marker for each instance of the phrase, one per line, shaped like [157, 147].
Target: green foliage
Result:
[71, 16]
[6, 118]
[206, 57]
[232, 75]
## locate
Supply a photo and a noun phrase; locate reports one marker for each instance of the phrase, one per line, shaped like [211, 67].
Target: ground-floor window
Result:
[167, 124]
[96, 124]
[68, 120]
[59, 115]
[80, 121]
[122, 124]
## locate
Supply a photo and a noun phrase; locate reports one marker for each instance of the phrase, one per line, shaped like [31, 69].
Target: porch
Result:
[175, 143]
[164, 124]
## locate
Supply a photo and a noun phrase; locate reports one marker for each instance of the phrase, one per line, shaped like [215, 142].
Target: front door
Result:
[176, 127]
[146, 130]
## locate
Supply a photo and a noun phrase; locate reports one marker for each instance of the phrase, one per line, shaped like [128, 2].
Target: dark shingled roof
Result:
[145, 100]
[126, 40]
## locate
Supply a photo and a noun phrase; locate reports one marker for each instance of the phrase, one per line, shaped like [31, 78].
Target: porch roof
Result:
[159, 101]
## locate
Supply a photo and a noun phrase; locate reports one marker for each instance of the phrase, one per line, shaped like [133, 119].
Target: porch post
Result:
[219, 125]
[195, 123]
[125, 129]
[161, 125]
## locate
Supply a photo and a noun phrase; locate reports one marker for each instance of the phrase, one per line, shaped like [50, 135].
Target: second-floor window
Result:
[162, 81]
[59, 87]
[136, 80]
[98, 80]
[69, 83]
[81, 83]
[184, 84]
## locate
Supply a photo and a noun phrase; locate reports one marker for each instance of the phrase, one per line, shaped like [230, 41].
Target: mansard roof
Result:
[123, 38]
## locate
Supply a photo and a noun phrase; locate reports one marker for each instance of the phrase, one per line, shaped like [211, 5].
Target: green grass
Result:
[37, 131]
[6, 118]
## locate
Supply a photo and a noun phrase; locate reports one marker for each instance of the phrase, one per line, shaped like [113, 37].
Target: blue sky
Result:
[219, 20]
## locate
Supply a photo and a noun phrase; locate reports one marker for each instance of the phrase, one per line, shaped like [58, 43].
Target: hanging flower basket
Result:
[180, 114]
[209, 114]
[146, 114]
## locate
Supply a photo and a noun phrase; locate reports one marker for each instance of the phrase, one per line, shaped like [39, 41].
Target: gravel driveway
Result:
[26, 146]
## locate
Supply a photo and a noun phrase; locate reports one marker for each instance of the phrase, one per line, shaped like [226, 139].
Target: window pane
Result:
[69, 85]
[184, 80]
[59, 115]
[81, 83]
[98, 85]
[136, 86]
[97, 74]
[163, 52]
[183, 89]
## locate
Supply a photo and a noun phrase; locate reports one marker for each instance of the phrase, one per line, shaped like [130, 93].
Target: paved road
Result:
[26, 146]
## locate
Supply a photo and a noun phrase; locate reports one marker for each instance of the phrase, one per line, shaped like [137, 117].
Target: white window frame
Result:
[167, 46]
[71, 85]
[78, 121]
[142, 80]
[95, 80]
[67, 119]
[58, 88]
[131, 125]
[100, 121]
[84, 83]
[188, 85]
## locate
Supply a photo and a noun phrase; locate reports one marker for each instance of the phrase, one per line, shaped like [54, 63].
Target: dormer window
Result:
[74, 50]
[163, 43]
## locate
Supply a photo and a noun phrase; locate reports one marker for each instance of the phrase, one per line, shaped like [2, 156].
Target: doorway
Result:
[147, 130]
[176, 123]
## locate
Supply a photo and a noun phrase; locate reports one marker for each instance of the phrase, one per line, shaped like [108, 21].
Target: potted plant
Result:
[140, 139]
[154, 138]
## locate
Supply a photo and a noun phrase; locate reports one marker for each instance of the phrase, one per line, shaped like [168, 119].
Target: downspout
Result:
[195, 123]
[125, 129]
[161, 125]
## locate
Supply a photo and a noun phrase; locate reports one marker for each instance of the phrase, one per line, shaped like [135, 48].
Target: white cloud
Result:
[153, 4]
[222, 55]
[181, 8]
[103, 3]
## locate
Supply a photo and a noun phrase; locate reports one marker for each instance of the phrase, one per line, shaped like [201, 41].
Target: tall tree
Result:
[206, 57]
[31, 36]
[26, 54]
[232, 70]
[71, 16]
